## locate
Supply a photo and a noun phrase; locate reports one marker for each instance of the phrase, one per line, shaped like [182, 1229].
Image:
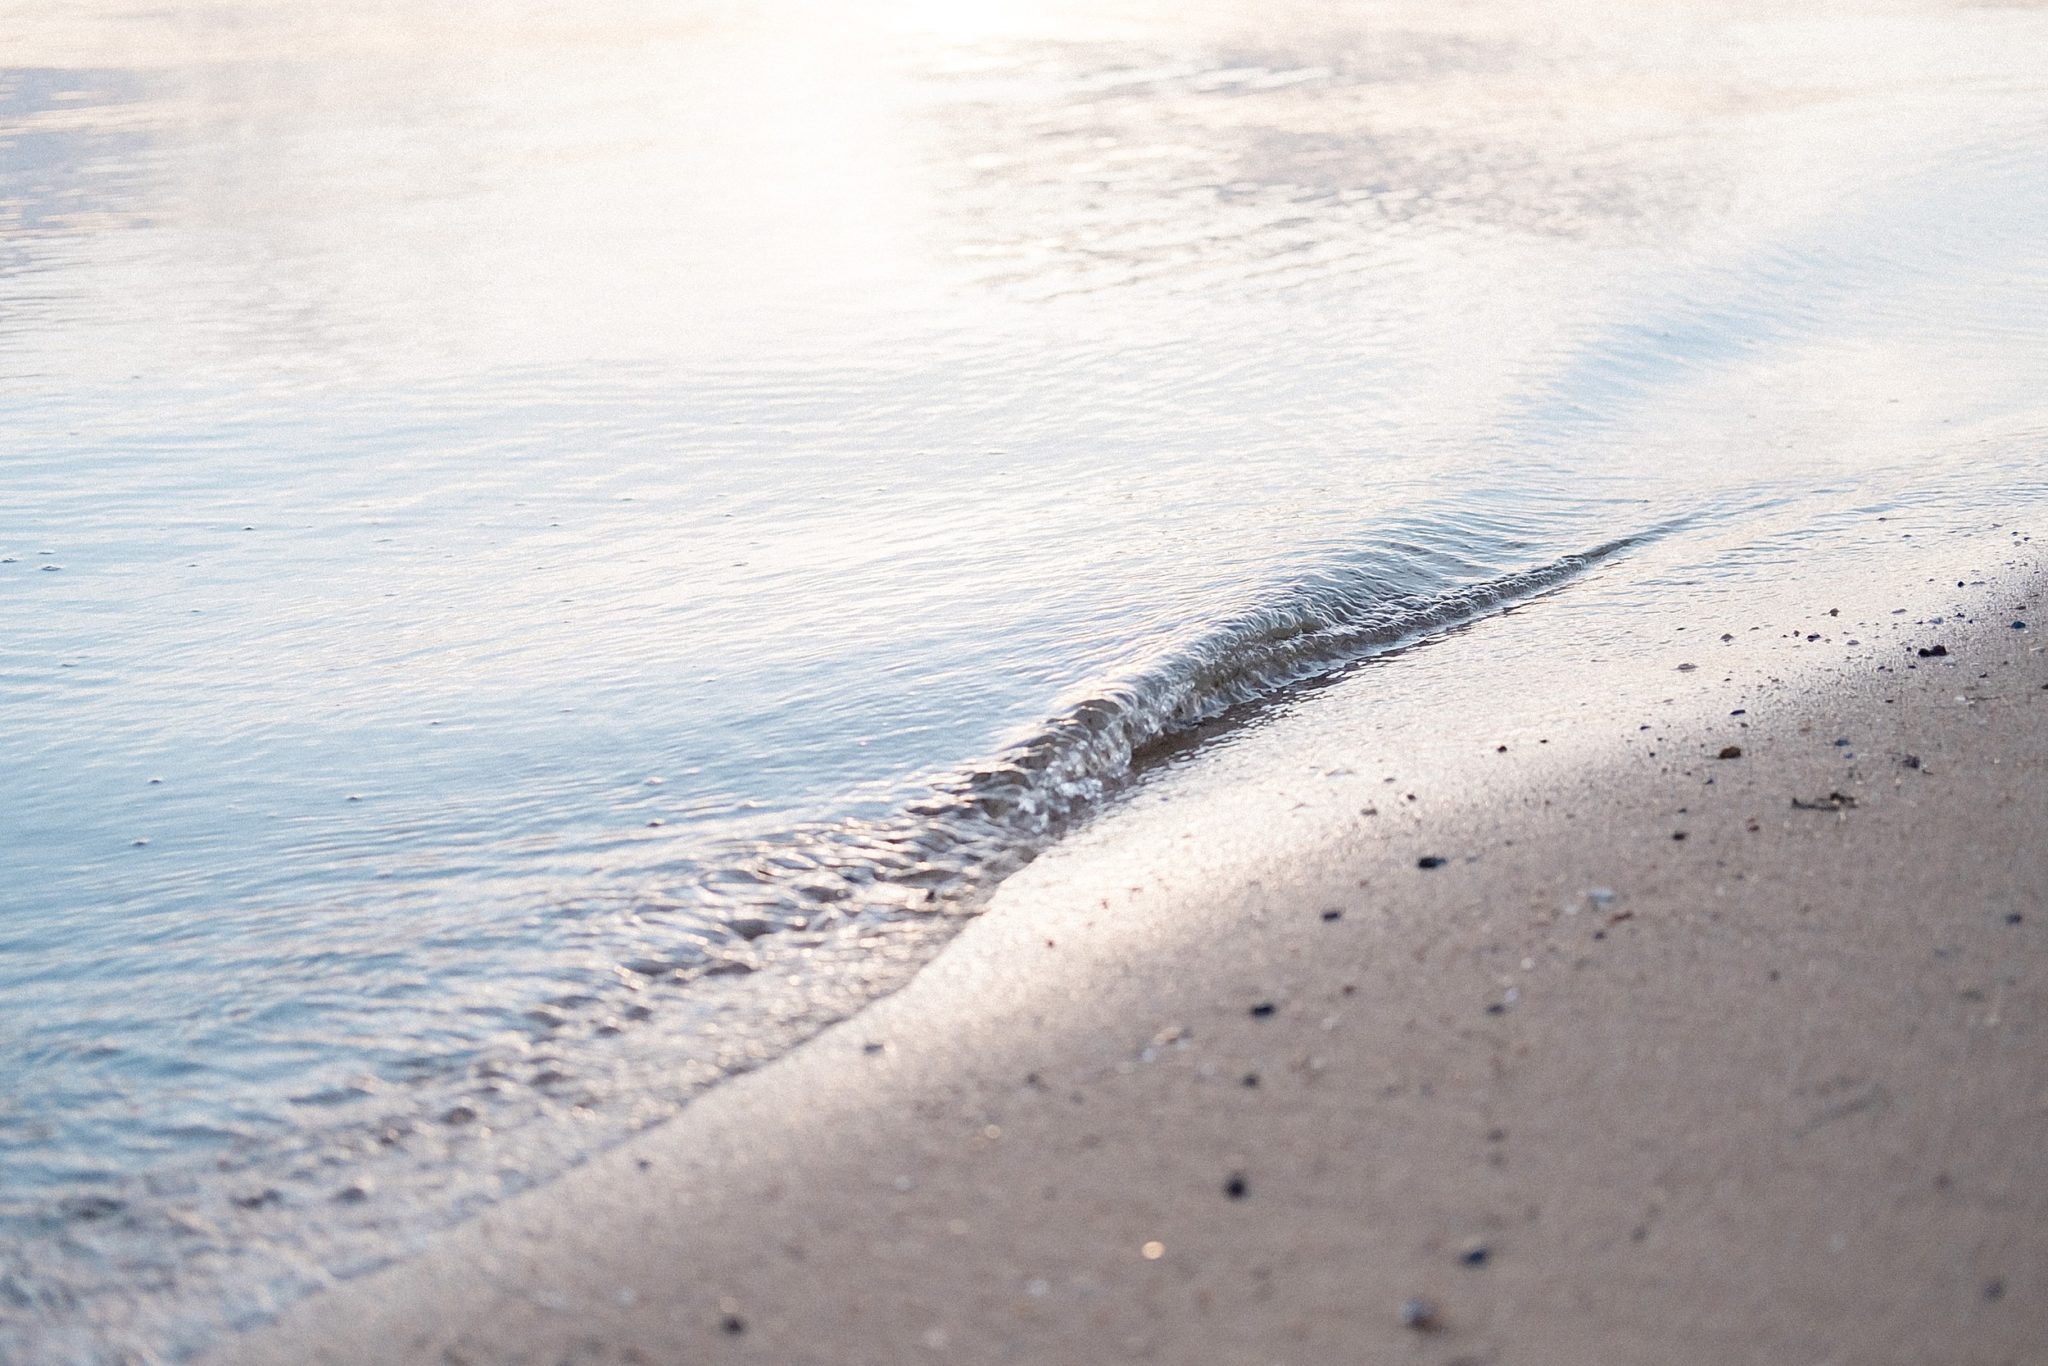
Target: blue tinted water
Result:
[543, 555]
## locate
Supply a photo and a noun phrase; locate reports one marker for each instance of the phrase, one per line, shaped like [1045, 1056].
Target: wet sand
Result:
[1673, 1058]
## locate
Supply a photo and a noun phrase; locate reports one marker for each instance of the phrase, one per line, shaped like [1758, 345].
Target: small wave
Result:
[977, 825]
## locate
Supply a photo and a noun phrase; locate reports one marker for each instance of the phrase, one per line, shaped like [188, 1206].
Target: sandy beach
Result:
[1669, 999]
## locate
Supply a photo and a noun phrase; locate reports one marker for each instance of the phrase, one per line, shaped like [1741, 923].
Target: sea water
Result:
[546, 552]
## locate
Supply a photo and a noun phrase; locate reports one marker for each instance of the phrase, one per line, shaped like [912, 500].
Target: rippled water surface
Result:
[546, 551]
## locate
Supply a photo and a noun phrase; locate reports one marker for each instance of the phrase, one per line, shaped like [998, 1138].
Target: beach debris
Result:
[1678, 834]
[2019, 626]
[1687, 668]
[1478, 1254]
[1934, 652]
[1730, 752]
[1333, 914]
[873, 1048]
[1910, 760]
[1994, 1289]
[733, 1324]
[1264, 1010]
[1152, 1251]
[2015, 917]
[1834, 801]
[1420, 1313]
[1601, 897]
[1236, 1187]
[1431, 861]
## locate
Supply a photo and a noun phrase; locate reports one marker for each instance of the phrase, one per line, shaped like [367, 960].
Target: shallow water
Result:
[545, 555]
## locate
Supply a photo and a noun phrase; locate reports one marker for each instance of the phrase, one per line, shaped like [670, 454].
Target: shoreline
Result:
[1583, 1091]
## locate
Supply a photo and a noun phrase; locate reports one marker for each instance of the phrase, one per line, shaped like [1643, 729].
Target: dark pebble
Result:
[871, 1048]
[1236, 1187]
[1496, 1009]
[352, 1195]
[1263, 1009]
[1730, 752]
[1994, 1290]
[2014, 917]
[732, 1323]
[460, 1114]
[1251, 1079]
[1678, 834]
[1479, 1255]
[1333, 915]
[1934, 652]
[2019, 626]
[1430, 861]
[1421, 1314]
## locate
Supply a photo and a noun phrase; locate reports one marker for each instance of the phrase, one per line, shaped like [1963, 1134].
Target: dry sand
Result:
[1229, 1077]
